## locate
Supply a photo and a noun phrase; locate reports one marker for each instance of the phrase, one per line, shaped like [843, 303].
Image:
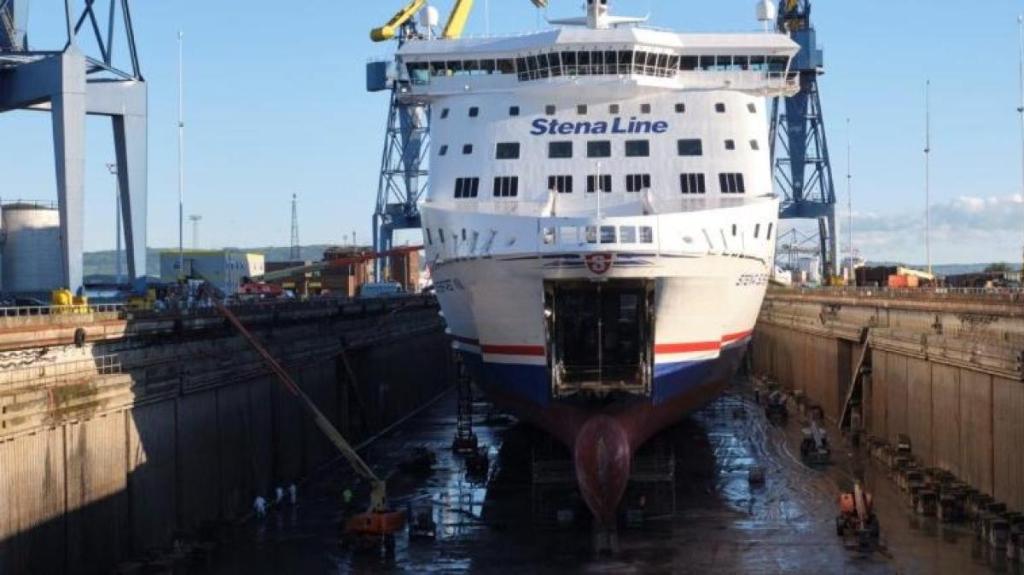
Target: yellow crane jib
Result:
[460, 16]
[388, 31]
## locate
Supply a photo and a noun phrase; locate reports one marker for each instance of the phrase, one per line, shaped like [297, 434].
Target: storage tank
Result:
[31, 248]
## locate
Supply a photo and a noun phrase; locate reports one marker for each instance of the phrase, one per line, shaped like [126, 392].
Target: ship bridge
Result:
[757, 64]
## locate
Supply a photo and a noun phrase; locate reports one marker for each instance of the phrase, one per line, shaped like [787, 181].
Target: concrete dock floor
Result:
[721, 523]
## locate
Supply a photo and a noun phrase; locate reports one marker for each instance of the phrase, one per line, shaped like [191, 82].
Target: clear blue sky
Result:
[276, 104]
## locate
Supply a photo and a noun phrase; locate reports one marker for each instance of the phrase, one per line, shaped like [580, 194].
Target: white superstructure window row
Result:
[558, 61]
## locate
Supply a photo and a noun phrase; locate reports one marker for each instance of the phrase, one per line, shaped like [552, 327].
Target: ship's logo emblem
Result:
[599, 263]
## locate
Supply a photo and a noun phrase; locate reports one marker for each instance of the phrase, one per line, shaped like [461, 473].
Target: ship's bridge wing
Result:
[755, 63]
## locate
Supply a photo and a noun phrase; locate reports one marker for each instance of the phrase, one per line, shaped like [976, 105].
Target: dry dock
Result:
[122, 432]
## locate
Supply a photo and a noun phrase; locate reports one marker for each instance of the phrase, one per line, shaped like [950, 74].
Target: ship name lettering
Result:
[553, 127]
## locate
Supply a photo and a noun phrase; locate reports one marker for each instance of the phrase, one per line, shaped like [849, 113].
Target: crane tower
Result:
[800, 157]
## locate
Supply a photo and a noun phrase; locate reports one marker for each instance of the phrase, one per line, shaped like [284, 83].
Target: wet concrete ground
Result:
[721, 524]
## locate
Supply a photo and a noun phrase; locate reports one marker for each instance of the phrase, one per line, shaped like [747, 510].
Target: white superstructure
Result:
[601, 185]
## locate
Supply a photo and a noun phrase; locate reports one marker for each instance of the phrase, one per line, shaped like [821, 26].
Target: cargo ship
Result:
[600, 221]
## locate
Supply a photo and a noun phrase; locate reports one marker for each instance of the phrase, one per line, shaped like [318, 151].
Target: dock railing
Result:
[1009, 295]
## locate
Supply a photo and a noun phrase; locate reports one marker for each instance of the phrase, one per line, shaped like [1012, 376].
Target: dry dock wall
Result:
[945, 370]
[111, 449]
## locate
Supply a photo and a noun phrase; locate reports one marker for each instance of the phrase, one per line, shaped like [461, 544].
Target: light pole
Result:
[928, 174]
[1020, 112]
[849, 199]
[118, 260]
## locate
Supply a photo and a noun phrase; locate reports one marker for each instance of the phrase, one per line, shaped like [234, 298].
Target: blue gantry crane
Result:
[799, 147]
[403, 174]
[96, 72]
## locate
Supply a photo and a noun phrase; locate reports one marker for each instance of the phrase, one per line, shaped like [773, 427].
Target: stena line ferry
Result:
[600, 221]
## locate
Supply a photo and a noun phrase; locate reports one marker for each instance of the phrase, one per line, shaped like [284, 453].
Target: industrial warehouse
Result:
[616, 308]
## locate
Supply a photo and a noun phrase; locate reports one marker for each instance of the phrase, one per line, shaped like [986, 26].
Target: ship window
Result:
[731, 183]
[583, 63]
[741, 62]
[723, 63]
[555, 61]
[569, 61]
[455, 67]
[734, 230]
[443, 151]
[625, 62]
[637, 182]
[507, 151]
[757, 230]
[549, 235]
[505, 66]
[474, 112]
[730, 144]
[607, 234]
[690, 147]
[604, 181]
[611, 61]
[757, 63]
[688, 63]
[560, 150]
[692, 183]
[645, 108]
[638, 148]
[591, 232]
[467, 149]
[627, 234]
[662, 64]
[754, 145]
[419, 72]
[531, 67]
[707, 63]
[673, 65]
[613, 109]
[430, 237]
[752, 108]
[487, 67]
[471, 66]
[720, 108]
[639, 62]
[777, 64]
[581, 109]
[769, 235]
[444, 113]
[597, 63]
[549, 110]
[463, 234]
[599, 149]
[543, 67]
[651, 65]
[437, 69]
[646, 235]
[513, 111]
[521, 67]
[466, 187]
[506, 186]
[560, 184]
[440, 234]
[680, 108]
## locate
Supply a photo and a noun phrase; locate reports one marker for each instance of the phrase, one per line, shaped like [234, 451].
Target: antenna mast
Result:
[181, 161]
[295, 253]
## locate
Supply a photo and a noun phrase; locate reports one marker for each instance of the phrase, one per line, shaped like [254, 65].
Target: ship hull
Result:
[603, 436]
[602, 345]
